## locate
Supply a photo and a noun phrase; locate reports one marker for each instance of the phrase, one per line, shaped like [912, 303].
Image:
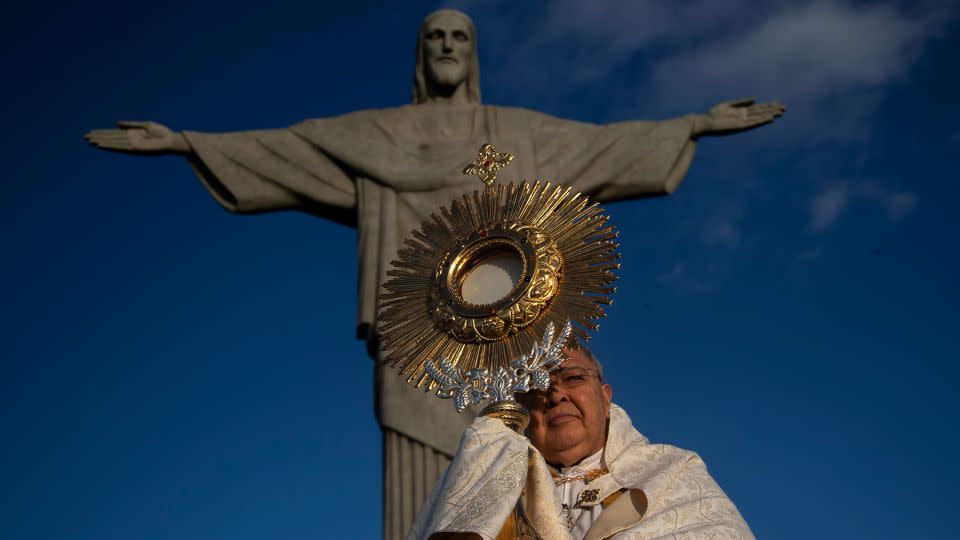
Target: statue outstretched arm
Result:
[637, 158]
[139, 137]
[247, 172]
[735, 116]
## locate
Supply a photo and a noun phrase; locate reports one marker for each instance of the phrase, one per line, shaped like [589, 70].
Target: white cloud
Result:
[899, 204]
[580, 42]
[718, 230]
[829, 61]
[723, 233]
[683, 279]
[721, 229]
[828, 204]
[601, 35]
[800, 53]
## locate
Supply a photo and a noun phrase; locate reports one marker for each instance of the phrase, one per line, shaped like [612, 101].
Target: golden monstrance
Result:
[477, 293]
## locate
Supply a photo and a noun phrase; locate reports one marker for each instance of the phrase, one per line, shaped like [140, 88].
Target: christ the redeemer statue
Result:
[384, 171]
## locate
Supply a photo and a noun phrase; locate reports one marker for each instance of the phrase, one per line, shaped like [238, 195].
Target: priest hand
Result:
[139, 138]
[735, 116]
[487, 475]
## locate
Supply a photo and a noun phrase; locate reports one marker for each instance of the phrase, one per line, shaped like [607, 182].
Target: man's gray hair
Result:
[593, 358]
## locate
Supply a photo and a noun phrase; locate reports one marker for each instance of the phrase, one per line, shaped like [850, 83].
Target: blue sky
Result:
[173, 371]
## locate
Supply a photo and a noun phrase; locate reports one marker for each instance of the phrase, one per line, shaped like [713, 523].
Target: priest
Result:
[582, 471]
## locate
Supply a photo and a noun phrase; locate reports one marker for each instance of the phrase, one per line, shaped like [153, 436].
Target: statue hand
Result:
[139, 138]
[737, 115]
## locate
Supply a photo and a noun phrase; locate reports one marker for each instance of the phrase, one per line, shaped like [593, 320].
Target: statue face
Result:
[569, 423]
[447, 49]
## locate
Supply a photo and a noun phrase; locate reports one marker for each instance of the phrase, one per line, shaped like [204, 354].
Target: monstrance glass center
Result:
[491, 275]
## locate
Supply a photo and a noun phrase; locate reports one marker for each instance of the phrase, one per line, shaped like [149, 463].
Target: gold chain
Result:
[587, 477]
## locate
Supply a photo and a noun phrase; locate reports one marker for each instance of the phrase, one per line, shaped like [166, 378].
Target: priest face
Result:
[568, 422]
[447, 48]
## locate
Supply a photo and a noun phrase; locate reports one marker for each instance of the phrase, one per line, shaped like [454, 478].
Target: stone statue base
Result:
[410, 470]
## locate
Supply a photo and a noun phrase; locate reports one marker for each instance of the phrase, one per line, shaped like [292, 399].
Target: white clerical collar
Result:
[587, 464]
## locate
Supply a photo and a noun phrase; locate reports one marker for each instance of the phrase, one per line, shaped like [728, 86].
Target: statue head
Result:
[447, 65]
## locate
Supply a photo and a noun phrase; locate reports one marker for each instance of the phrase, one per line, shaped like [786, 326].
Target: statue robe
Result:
[664, 492]
[384, 172]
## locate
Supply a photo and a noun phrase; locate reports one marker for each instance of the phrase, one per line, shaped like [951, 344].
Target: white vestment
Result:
[667, 492]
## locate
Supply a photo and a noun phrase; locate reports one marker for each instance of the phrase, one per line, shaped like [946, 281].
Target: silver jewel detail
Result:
[568, 520]
[529, 372]
[586, 496]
